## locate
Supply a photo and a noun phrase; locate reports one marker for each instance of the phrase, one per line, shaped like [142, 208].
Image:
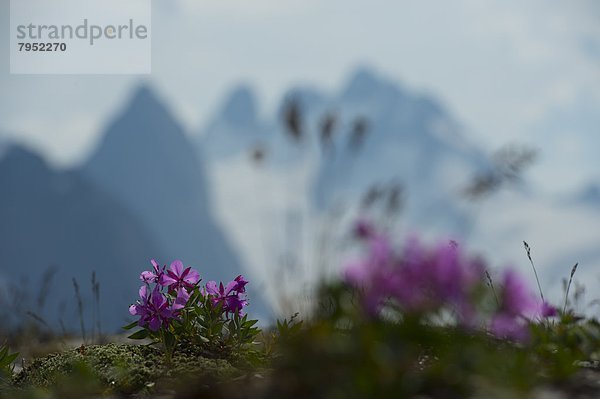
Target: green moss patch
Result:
[120, 369]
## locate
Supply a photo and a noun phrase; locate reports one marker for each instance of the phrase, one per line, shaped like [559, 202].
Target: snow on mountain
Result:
[382, 133]
[288, 191]
[408, 138]
[260, 179]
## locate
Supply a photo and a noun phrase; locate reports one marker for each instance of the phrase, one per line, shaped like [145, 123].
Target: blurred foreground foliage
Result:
[340, 352]
[346, 353]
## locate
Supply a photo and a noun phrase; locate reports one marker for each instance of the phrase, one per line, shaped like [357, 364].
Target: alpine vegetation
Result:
[173, 307]
[441, 283]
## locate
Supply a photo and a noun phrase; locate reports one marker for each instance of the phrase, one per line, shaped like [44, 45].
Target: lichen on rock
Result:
[121, 369]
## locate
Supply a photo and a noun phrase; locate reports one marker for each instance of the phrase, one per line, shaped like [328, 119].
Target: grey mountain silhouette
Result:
[146, 161]
[235, 128]
[240, 108]
[58, 219]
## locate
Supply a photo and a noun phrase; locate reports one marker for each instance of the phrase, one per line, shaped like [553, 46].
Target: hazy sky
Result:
[508, 70]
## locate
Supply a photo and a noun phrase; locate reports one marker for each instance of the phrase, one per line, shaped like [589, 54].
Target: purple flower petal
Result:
[181, 300]
[356, 273]
[211, 288]
[508, 326]
[241, 283]
[166, 280]
[177, 267]
[148, 277]
[517, 299]
[548, 310]
[154, 324]
[231, 286]
[143, 293]
[193, 277]
[157, 298]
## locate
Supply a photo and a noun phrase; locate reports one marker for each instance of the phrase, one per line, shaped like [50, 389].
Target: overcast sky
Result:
[508, 70]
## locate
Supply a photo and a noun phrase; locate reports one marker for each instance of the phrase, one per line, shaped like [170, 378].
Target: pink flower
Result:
[230, 297]
[417, 279]
[154, 309]
[517, 299]
[152, 276]
[548, 310]
[518, 307]
[177, 277]
[420, 281]
[504, 325]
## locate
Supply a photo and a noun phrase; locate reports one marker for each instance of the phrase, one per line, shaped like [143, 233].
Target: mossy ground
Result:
[141, 371]
[117, 370]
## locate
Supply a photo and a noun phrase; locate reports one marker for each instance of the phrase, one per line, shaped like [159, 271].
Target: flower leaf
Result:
[141, 334]
[250, 323]
[10, 358]
[130, 326]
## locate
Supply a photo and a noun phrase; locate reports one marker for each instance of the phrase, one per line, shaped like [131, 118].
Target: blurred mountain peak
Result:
[144, 94]
[146, 124]
[306, 98]
[364, 75]
[240, 107]
[23, 158]
[145, 99]
[145, 139]
[365, 83]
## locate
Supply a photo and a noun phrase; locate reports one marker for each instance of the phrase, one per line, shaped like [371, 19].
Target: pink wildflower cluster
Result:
[173, 287]
[231, 297]
[517, 308]
[421, 280]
